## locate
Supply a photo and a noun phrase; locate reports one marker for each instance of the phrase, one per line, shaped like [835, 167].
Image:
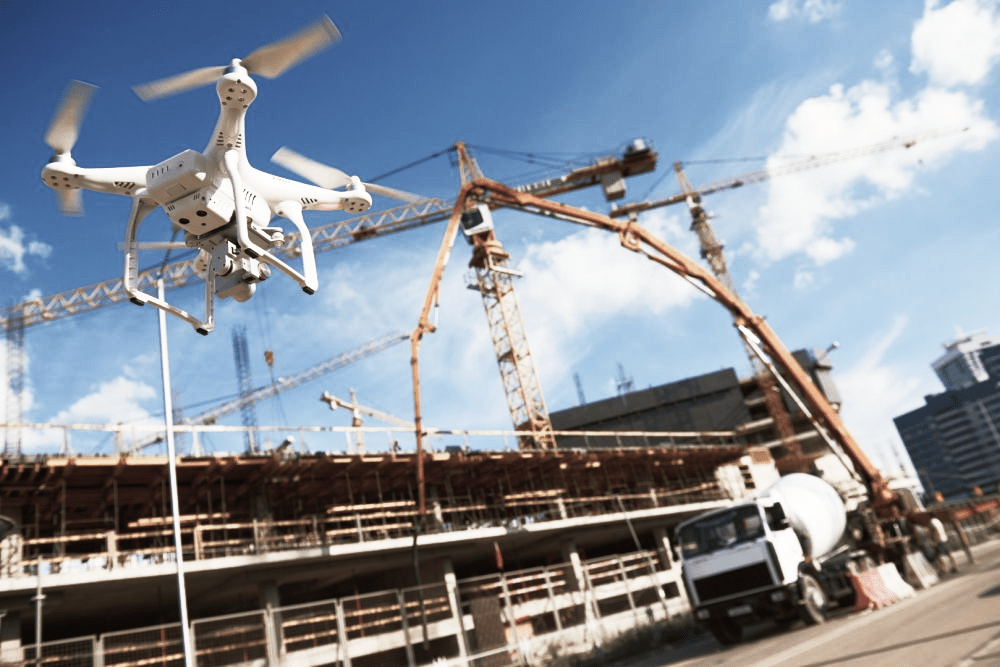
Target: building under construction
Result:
[717, 402]
[326, 559]
[458, 557]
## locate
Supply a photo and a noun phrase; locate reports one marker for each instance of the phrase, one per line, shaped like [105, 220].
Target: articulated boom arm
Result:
[638, 239]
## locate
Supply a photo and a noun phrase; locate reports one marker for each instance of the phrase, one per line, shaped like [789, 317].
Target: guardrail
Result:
[525, 617]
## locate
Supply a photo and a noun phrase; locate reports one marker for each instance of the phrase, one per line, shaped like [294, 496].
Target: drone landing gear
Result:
[140, 209]
[292, 210]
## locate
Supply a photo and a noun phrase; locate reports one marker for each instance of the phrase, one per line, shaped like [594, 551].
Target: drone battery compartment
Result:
[178, 185]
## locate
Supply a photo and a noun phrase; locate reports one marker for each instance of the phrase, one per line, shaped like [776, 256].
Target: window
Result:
[721, 530]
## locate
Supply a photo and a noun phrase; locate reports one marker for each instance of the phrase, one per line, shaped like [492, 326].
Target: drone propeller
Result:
[329, 177]
[62, 134]
[65, 126]
[269, 61]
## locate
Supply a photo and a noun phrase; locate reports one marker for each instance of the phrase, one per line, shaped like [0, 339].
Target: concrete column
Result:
[112, 549]
[270, 602]
[667, 556]
[10, 638]
[455, 602]
[572, 556]
[582, 584]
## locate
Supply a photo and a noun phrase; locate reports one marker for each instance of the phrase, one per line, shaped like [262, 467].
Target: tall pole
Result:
[168, 416]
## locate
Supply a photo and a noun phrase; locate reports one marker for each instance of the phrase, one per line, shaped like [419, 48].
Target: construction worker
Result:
[939, 538]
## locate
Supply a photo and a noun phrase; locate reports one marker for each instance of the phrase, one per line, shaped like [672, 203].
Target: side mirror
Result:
[776, 518]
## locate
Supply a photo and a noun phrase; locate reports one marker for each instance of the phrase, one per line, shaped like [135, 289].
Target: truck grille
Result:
[733, 582]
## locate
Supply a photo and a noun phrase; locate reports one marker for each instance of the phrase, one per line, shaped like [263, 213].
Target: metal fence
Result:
[517, 618]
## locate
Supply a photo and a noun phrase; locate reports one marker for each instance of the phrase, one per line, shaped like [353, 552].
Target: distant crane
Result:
[579, 389]
[357, 410]
[624, 382]
[244, 378]
[286, 383]
[15, 383]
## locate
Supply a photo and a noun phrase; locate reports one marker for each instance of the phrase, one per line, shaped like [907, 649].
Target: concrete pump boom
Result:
[636, 238]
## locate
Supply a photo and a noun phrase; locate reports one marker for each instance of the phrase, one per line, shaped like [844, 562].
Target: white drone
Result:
[221, 203]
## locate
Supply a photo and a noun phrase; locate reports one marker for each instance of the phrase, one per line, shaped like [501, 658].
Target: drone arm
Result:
[140, 209]
[292, 210]
[231, 162]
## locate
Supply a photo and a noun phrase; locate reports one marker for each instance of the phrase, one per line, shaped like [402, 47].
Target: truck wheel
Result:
[813, 600]
[727, 631]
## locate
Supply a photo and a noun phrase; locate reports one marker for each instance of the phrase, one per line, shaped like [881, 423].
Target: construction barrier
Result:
[894, 583]
[919, 571]
[870, 590]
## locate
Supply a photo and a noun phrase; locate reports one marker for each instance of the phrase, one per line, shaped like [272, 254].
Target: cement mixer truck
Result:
[784, 555]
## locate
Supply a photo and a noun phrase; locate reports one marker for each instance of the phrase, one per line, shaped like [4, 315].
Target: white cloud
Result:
[576, 284]
[797, 216]
[14, 247]
[812, 11]
[116, 401]
[803, 279]
[956, 44]
[885, 63]
[875, 391]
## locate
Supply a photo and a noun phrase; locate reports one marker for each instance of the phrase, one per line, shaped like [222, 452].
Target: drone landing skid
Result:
[292, 211]
[140, 209]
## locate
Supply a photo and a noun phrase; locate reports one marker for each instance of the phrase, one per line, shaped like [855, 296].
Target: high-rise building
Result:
[954, 439]
[961, 366]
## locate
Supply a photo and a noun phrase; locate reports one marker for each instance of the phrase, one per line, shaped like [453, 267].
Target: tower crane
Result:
[768, 173]
[290, 382]
[357, 410]
[495, 283]
[712, 250]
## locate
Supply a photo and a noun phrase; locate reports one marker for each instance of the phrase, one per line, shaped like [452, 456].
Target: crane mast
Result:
[711, 252]
[495, 283]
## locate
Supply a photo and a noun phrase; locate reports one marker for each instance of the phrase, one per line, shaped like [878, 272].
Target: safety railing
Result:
[341, 524]
[521, 616]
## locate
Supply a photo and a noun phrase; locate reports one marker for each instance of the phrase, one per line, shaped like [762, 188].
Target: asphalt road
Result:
[955, 623]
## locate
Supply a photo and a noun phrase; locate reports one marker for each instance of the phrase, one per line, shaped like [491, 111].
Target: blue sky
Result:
[889, 254]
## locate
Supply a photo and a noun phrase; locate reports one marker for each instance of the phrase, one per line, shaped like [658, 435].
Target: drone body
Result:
[221, 203]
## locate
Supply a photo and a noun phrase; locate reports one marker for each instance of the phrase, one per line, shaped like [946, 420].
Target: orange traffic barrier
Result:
[870, 591]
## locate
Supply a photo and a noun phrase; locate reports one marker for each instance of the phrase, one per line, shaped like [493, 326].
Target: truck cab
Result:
[783, 555]
[741, 564]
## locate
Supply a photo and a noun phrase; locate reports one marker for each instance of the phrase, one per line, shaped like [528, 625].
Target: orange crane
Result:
[754, 330]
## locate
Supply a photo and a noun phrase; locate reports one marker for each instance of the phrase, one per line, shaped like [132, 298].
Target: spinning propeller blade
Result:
[268, 61]
[70, 202]
[274, 59]
[172, 85]
[317, 172]
[329, 177]
[65, 125]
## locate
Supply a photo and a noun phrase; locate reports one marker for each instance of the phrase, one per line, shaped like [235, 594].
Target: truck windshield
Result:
[718, 531]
